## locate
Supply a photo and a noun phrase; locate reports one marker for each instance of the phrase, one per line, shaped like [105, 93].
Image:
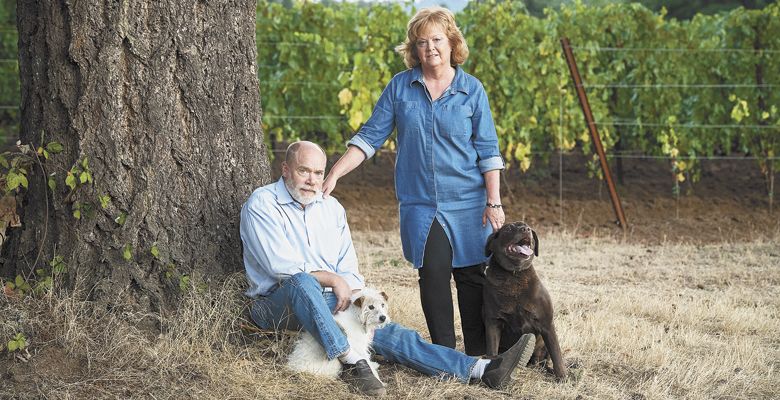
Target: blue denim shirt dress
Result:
[443, 148]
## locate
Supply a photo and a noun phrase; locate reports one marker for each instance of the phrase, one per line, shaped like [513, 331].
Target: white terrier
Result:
[367, 312]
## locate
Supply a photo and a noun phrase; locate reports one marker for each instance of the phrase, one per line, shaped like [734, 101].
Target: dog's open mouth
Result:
[521, 249]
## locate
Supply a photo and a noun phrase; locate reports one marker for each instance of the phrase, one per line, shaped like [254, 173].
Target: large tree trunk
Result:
[162, 99]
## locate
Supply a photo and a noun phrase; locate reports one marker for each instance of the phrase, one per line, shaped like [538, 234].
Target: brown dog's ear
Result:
[536, 243]
[488, 250]
[384, 295]
[359, 301]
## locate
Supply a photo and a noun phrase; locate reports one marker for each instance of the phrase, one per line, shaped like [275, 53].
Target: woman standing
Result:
[446, 174]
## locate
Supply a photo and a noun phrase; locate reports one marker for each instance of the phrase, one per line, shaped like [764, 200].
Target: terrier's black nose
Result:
[382, 318]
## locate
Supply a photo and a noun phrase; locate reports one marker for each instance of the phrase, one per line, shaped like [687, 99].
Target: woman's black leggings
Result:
[436, 296]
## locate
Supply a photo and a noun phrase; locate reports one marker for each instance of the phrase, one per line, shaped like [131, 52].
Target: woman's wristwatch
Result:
[491, 205]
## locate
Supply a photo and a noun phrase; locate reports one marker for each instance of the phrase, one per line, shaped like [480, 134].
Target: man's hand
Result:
[340, 287]
[343, 293]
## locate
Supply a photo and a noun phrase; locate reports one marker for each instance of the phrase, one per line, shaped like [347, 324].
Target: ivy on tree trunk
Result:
[158, 103]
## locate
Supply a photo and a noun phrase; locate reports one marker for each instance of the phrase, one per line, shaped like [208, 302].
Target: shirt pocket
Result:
[409, 116]
[455, 121]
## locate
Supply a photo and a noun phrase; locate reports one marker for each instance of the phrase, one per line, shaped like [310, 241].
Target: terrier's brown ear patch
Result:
[359, 301]
[384, 295]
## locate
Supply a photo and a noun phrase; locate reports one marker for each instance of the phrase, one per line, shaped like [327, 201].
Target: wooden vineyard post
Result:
[575, 76]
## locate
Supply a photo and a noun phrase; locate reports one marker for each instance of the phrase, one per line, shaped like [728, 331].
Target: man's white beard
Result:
[296, 194]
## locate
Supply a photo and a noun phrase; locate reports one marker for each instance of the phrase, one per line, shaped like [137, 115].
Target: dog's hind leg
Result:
[492, 336]
[309, 356]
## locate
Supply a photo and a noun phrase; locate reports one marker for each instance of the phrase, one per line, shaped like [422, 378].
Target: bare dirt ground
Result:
[729, 203]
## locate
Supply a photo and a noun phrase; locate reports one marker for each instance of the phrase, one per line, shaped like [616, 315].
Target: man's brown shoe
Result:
[360, 377]
[498, 372]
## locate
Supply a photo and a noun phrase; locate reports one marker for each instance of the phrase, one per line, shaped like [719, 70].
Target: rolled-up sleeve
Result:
[484, 134]
[379, 126]
[268, 252]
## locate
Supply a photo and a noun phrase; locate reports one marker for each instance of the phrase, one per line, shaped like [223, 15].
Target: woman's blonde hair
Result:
[425, 18]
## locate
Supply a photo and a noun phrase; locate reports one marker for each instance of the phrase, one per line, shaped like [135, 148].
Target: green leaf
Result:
[19, 281]
[12, 346]
[3, 162]
[52, 183]
[83, 177]
[127, 253]
[184, 283]
[155, 251]
[121, 218]
[21, 341]
[70, 181]
[58, 265]
[85, 163]
[12, 180]
[54, 147]
[77, 214]
[43, 285]
[23, 180]
[104, 199]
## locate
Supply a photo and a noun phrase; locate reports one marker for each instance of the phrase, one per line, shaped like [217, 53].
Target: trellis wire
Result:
[306, 44]
[673, 50]
[679, 86]
[300, 83]
[304, 117]
[701, 126]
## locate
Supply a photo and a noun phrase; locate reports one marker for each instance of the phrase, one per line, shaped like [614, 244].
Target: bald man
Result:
[302, 268]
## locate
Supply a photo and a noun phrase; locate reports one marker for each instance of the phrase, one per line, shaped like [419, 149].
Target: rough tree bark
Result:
[162, 99]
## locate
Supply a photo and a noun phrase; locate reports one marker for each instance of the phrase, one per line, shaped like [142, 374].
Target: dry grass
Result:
[641, 322]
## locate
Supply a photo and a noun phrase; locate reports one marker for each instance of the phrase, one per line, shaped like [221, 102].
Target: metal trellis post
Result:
[575, 76]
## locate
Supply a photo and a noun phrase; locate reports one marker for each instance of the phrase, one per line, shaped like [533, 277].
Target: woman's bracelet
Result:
[491, 205]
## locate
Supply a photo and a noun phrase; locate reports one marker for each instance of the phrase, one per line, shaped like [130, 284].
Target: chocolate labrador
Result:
[514, 298]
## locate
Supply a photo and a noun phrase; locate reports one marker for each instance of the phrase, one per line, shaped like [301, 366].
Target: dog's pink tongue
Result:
[526, 250]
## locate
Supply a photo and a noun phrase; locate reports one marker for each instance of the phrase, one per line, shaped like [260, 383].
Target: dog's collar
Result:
[514, 272]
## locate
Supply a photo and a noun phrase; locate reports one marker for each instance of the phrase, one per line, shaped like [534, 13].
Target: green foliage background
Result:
[323, 66]
[679, 89]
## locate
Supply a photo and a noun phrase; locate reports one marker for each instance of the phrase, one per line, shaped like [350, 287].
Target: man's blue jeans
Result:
[300, 302]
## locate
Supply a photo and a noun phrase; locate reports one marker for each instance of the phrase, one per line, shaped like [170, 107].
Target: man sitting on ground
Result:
[302, 268]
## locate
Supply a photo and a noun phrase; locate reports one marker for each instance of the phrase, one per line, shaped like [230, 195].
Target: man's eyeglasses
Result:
[304, 172]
